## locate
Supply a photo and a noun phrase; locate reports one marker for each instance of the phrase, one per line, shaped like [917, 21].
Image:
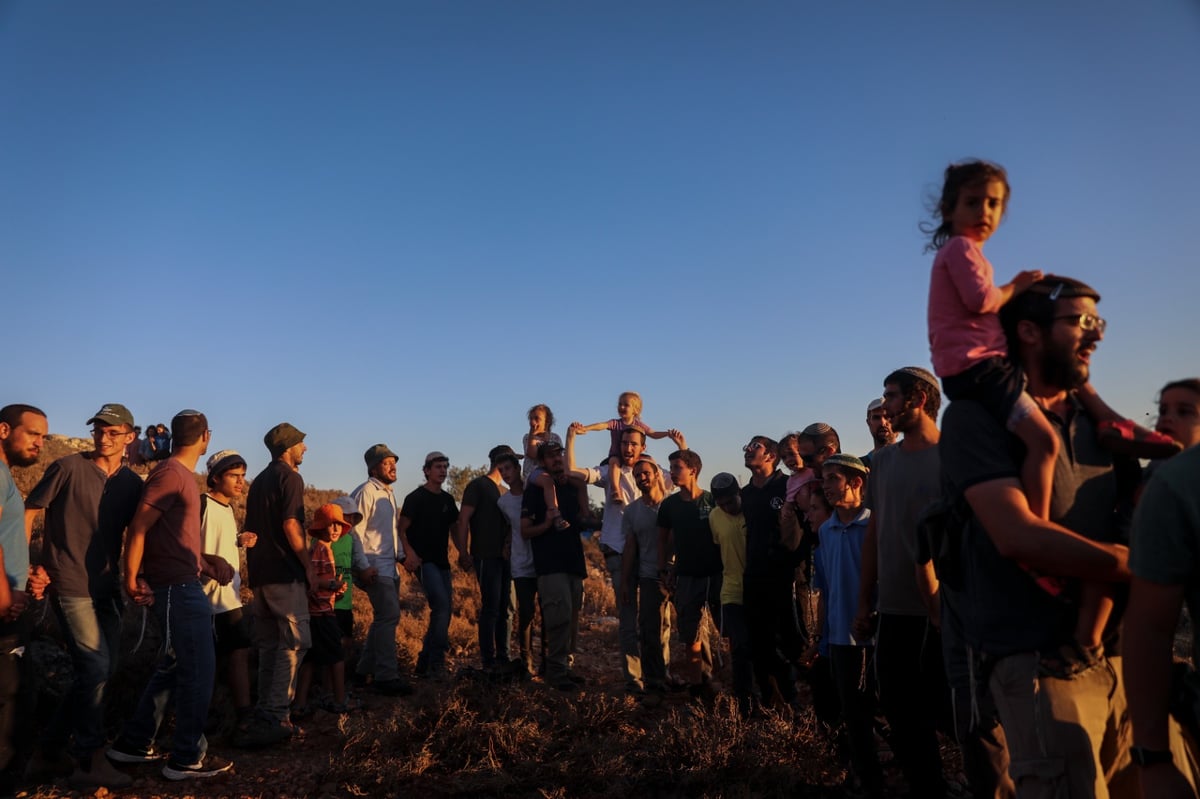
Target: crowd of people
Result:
[1012, 578]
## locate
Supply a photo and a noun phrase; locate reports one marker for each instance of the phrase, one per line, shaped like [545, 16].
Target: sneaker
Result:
[396, 686]
[261, 733]
[208, 767]
[121, 752]
[98, 773]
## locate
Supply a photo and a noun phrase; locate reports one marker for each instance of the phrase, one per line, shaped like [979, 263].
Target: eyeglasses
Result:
[1085, 321]
[111, 433]
[753, 445]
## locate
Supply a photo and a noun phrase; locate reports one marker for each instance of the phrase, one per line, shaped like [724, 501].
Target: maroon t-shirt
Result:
[172, 553]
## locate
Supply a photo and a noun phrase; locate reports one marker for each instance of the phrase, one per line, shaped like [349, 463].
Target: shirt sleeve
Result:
[47, 488]
[293, 497]
[972, 276]
[162, 489]
[974, 447]
[1164, 545]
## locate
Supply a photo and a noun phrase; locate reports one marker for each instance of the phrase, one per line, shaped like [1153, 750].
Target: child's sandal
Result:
[1126, 438]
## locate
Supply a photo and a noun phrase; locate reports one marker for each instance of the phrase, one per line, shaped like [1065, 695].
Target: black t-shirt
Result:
[555, 551]
[275, 496]
[696, 554]
[761, 506]
[1005, 612]
[431, 516]
[489, 527]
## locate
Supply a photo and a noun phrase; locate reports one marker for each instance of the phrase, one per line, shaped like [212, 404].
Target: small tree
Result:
[459, 476]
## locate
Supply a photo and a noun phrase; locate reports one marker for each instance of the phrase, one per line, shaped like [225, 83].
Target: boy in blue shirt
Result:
[837, 566]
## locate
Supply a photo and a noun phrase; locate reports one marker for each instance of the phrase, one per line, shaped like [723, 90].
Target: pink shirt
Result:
[964, 303]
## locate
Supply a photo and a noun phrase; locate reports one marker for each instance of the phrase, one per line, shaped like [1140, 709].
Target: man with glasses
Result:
[89, 499]
[1067, 725]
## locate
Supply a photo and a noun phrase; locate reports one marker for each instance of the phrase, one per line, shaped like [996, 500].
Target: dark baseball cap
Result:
[112, 414]
[502, 452]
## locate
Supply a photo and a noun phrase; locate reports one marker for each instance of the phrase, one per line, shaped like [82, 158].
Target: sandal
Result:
[1126, 438]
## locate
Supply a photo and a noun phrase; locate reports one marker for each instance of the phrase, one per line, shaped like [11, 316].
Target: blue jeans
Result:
[435, 582]
[495, 609]
[184, 671]
[91, 629]
[379, 652]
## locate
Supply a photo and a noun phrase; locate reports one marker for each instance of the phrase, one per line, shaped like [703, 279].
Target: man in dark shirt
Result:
[279, 571]
[426, 518]
[558, 561]
[686, 541]
[1067, 729]
[482, 521]
[768, 597]
[89, 499]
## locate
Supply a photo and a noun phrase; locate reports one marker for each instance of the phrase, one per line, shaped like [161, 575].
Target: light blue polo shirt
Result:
[837, 571]
[12, 531]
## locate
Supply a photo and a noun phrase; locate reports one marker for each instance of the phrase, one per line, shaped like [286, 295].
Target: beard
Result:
[20, 459]
[1061, 367]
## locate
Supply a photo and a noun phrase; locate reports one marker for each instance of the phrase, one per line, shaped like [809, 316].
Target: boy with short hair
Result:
[327, 526]
[219, 536]
[838, 566]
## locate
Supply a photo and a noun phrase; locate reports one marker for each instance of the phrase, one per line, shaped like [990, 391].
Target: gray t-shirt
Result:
[87, 512]
[901, 485]
[1165, 542]
[641, 521]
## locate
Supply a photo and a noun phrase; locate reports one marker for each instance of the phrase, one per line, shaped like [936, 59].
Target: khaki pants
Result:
[282, 635]
[1070, 738]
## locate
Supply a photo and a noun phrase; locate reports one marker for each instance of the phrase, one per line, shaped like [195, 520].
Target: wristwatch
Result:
[1150, 757]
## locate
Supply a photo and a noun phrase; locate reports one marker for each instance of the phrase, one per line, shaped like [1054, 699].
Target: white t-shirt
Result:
[521, 559]
[218, 536]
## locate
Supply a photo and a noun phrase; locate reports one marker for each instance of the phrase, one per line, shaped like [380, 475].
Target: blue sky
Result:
[408, 222]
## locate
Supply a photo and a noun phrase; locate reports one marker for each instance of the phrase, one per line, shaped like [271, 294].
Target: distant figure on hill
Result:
[89, 499]
[133, 452]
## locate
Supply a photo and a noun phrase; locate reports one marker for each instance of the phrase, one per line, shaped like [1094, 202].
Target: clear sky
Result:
[408, 222]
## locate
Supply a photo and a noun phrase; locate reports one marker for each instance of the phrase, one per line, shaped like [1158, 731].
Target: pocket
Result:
[1044, 778]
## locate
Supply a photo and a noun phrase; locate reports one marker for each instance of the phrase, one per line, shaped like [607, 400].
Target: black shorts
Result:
[995, 383]
[345, 618]
[326, 641]
[231, 630]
